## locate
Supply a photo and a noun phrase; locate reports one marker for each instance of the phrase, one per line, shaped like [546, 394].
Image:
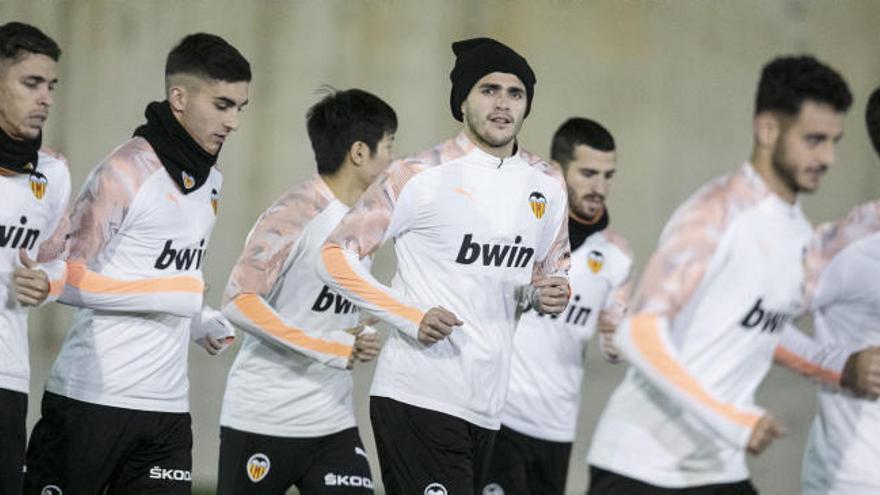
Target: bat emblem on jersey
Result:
[188, 181]
[538, 203]
[595, 260]
[215, 200]
[258, 467]
[38, 184]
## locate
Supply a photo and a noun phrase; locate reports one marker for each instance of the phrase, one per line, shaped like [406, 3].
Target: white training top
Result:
[134, 273]
[843, 283]
[471, 232]
[32, 218]
[548, 351]
[725, 279]
[289, 378]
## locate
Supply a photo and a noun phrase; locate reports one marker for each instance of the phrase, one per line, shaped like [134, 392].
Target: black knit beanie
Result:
[476, 57]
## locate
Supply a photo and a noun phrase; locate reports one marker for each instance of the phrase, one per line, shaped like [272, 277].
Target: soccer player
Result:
[479, 225]
[843, 289]
[287, 414]
[539, 419]
[35, 186]
[115, 410]
[726, 277]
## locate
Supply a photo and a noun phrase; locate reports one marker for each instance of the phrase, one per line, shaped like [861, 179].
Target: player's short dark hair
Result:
[872, 118]
[576, 131]
[208, 56]
[342, 118]
[18, 39]
[787, 82]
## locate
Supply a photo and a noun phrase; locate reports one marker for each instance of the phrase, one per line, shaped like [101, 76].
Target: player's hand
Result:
[552, 295]
[606, 338]
[366, 346]
[214, 345]
[436, 325]
[861, 374]
[31, 283]
[763, 434]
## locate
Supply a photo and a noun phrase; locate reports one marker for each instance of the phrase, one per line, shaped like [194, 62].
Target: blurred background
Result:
[673, 80]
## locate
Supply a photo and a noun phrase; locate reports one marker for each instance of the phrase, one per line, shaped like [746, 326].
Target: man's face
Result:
[210, 110]
[26, 87]
[376, 163]
[588, 178]
[495, 108]
[805, 148]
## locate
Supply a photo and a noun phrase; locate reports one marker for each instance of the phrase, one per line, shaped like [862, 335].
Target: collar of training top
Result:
[186, 162]
[477, 156]
[19, 156]
[579, 230]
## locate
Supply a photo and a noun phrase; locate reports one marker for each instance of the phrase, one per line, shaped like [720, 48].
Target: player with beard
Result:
[539, 420]
[479, 225]
[726, 277]
[115, 411]
[35, 186]
[843, 292]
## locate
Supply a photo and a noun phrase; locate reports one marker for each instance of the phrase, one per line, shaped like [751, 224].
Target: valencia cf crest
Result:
[188, 181]
[38, 184]
[257, 467]
[595, 260]
[215, 200]
[538, 203]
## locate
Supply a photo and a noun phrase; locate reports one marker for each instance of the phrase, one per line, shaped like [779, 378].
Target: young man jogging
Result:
[726, 277]
[287, 413]
[843, 287]
[35, 186]
[115, 412]
[539, 420]
[479, 225]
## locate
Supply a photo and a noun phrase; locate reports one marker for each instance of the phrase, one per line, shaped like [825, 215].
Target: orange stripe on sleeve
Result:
[804, 366]
[252, 306]
[646, 338]
[339, 269]
[80, 277]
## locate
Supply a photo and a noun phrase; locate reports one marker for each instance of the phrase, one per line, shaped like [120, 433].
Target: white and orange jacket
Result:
[136, 250]
[470, 231]
[726, 278]
[290, 378]
[33, 218]
[843, 289]
[548, 351]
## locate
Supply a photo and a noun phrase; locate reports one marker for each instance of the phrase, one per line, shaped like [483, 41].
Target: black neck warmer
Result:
[578, 230]
[187, 163]
[19, 156]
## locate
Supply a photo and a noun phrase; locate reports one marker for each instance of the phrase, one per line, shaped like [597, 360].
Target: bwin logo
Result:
[769, 321]
[574, 315]
[182, 259]
[158, 473]
[17, 236]
[494, 254]
[327, 298]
